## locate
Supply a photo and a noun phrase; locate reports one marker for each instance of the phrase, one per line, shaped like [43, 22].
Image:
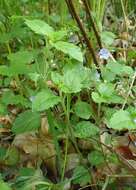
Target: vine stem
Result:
[129, 91]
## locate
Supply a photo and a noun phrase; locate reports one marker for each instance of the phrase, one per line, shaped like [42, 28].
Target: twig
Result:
[122, 160]
[92, 22]
[124, 14]
[107, 164]
[130, 88]
[121, 176]
[74, 14]
[106, 183]
[92, 185]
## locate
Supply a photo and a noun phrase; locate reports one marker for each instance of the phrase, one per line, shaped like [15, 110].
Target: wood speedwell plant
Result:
[67, 94]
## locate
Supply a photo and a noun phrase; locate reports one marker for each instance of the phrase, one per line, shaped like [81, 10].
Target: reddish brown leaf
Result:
[125, 152]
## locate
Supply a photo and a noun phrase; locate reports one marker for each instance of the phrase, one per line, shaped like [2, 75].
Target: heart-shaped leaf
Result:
[44, 100]
[85, 129]
[122, 120]
[70, 49]
[26, 121]
[39, 27]
[83, 110]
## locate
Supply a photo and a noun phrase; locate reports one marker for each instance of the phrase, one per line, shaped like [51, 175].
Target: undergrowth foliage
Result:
[67, 94]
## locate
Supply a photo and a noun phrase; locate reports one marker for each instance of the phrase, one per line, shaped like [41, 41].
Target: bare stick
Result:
[92, 22]
[76, 17]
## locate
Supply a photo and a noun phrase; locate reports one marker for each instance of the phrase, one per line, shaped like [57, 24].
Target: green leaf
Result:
[86, 77]
[97, 98]
[71, 82]
[12, 156]
[45, 100]
[39, 27]
[5, 37]
[34, 76]
[19, 69]
[107, 74]
[85, 129]
[81, 176]
[126, 70]
[132, 111]
[4, 70]
[119, 69]
[107, 37]
[115, 99]
[57, 78]
[107, 94]
[8, 98]
[4, 186]
[122, 120]
[58, 35]
[106, 89]
[2, 153]
[83, 110]
[3, 109]
[95, 158]
[115, 68]
[131, 54]
[26, 171]
[108, 112]
[26, 121]
[70, 49]
[21, 57]
[19, 63]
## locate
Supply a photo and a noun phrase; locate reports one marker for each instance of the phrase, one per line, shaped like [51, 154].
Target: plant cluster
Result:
[67, 94]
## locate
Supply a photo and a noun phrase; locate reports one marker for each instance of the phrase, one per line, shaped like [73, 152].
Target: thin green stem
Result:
[66, 143]
[70, 135]
[68, 107]
[106, 183]
[52, 127]
[97, 9]
[124, 13]
[67, 114]
[9, 49]
[99, 110]
[129, 91]
[65, 159]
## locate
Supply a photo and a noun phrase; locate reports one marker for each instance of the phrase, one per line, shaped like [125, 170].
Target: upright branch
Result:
[88, 11]
[79, 23]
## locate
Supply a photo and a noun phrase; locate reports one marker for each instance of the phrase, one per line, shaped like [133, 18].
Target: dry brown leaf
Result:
[35, 146]
[4, 130]
[73, 161]
[5, 120]
[44, 127]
